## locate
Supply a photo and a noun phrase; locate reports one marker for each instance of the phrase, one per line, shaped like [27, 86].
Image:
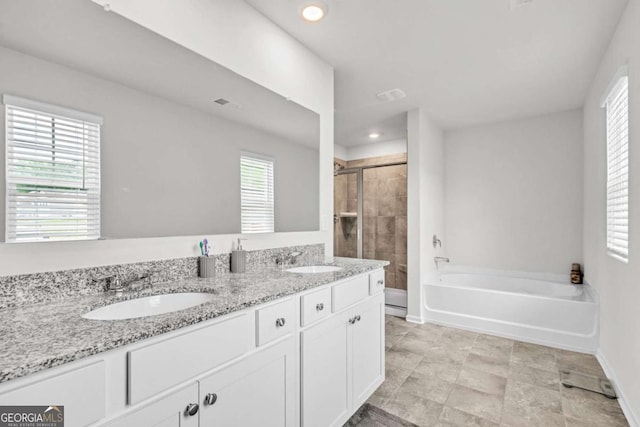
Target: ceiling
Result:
[79, 34]
[466, 62]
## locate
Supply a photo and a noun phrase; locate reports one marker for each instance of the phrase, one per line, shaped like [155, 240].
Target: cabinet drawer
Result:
[274, 321]
[81, 392]
[350, 292]
[315, 306]
[376, 282]
[158, 366]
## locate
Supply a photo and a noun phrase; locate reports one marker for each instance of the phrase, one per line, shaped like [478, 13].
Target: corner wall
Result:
[425, 216]
[514, 194]
[618, 283]
[236, 36]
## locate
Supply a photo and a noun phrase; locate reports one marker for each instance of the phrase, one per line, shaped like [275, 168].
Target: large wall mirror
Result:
[173, 128]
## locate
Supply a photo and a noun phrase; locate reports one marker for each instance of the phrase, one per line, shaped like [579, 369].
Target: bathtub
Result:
[519, 306]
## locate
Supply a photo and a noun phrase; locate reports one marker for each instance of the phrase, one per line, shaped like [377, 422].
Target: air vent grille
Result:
[221, 101]
[391, 95]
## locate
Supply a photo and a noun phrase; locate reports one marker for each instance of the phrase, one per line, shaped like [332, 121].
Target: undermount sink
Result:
[314, 269]
[149, 306]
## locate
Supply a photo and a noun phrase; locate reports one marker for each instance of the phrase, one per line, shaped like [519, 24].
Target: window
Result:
[256, 193]
[52, 173]
[617, 106]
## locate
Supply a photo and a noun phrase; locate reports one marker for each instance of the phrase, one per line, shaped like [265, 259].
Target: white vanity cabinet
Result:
[309, 359]
[342, 359]
[168, 411]
[256, 391]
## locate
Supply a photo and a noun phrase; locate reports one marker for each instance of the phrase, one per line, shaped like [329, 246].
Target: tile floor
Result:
[438, 376]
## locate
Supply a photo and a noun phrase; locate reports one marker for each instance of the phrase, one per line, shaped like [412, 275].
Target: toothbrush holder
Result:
[207, 266]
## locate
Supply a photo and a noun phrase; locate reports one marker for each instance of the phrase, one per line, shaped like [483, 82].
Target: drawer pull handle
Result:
[380, 282]
[320, 307]
[192, 409]
[280, 322]
[355, 319]
[210, 398]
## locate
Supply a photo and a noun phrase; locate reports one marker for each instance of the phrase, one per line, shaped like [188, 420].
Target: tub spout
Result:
[438, 259]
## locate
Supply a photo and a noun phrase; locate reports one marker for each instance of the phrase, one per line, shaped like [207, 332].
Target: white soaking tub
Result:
[515, 305]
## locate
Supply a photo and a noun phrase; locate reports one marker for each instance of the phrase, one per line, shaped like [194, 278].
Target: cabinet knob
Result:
[210, 398]
[358, 318]
[280, 322]
[320, 307]
[380, 282]
[192, 409]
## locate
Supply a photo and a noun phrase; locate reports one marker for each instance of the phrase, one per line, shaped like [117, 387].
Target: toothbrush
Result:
[206, 247]
[201, 248]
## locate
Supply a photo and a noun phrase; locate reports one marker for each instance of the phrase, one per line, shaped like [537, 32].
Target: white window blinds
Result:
[617, 105]
[256, 193]
[52, 173]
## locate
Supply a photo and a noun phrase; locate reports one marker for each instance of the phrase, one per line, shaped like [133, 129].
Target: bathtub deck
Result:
[438, 376]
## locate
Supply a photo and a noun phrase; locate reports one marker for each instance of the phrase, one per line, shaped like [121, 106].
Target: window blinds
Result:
[52, 174]
[256, 193]
[617, 105]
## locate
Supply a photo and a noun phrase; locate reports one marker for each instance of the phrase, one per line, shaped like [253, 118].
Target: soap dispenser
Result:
[239, 259]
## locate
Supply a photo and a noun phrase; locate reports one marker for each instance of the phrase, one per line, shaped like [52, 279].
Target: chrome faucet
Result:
[438, 259]
[290, 258]
[115, 284]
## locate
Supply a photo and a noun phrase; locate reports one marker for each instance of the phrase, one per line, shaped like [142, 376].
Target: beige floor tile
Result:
[414, 345]
[426, 387]
[394, 377]
[414, 409]
[429, 334]
[494, 347]
[446, 370]
[523, 395]
[402, 359]
[525, 416]
[592, 407]
[482, 381]
[451, 417]
[457, 339]
[394, 332]
[534, 376]
[474, 402]
[579, 362]
[533, 355]
[487, 364]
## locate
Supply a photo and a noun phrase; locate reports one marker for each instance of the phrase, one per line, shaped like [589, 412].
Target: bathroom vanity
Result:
[303, 349]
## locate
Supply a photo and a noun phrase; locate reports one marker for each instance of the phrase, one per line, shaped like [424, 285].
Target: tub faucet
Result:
[438, 259]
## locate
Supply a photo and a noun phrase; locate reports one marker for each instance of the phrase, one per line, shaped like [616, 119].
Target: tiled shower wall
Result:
[385, 214]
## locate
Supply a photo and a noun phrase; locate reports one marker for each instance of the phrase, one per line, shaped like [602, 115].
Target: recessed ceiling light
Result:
[313, 11]
[374, 135]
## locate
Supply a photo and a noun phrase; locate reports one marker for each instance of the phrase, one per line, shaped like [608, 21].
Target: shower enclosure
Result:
[370, 217]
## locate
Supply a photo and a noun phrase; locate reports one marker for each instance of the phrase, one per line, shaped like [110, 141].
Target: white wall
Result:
[514, 194]
[236, 36]
[375, 149]
[618, 283]
[425, 205]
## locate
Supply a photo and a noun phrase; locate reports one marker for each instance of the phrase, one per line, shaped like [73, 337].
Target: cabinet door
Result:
[324, 372]
[169, 411]
[368, 349]
[256, 391]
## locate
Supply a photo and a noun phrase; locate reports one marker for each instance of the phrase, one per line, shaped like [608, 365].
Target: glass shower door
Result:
[345, 218]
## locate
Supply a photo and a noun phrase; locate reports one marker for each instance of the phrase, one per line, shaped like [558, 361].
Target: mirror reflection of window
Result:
[256, 193]
[53, 172]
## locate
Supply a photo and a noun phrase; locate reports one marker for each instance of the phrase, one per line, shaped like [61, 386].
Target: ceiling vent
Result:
[391, 95]
[519, 3]
[221, 101]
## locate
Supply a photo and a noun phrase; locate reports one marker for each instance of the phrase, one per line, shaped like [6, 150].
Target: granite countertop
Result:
[40, 336]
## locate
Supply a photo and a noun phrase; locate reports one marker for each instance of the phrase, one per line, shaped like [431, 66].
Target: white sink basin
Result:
[314, 269]
[149, 306]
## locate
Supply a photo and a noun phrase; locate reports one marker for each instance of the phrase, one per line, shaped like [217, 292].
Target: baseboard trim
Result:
[415, 319]
[395, 311]
[632, 418]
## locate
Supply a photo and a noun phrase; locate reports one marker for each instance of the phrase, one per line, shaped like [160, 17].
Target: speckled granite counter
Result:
[40, 336]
